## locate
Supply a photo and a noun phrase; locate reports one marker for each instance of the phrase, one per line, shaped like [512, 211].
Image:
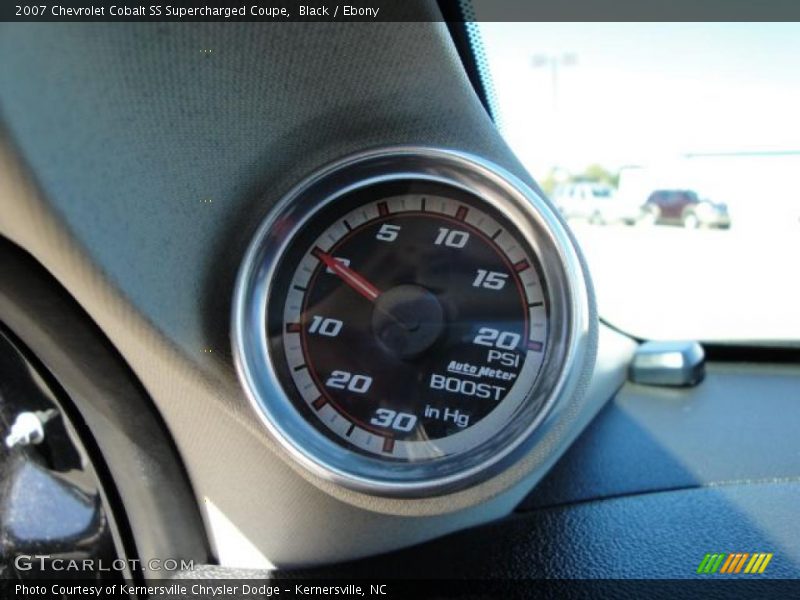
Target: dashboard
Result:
[323, 313]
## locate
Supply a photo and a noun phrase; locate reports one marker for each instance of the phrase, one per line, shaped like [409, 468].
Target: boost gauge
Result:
[405, 319]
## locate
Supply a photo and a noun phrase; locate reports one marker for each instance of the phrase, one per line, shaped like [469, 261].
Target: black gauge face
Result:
[408, 323]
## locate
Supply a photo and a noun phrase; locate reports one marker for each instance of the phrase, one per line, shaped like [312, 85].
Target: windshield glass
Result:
[694, 127]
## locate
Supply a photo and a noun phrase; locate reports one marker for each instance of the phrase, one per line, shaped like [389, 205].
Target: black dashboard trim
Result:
[133, 451]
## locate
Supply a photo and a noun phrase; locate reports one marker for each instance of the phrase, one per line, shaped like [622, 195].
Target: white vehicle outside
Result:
[596, 202]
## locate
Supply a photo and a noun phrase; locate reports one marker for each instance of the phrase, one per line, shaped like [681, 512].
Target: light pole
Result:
[555, 62]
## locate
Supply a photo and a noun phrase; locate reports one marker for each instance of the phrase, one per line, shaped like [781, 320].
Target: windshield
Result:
[692, 128]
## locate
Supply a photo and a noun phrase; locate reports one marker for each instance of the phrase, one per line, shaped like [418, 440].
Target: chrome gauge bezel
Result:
[567, 300]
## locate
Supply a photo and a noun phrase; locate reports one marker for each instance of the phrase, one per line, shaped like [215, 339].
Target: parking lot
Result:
[663, 282]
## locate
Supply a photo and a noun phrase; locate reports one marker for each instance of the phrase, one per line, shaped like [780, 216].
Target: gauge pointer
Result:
[357, 282]
[349, 276]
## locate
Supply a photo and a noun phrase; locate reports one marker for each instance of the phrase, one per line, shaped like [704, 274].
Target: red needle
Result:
[350, 277]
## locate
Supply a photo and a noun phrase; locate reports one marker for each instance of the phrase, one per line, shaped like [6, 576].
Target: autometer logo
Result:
[734, 562]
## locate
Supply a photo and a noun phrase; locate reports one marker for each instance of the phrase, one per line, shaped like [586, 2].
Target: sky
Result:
[645, 93]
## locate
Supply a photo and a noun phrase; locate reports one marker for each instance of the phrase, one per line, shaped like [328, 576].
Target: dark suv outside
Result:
[684, 207]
